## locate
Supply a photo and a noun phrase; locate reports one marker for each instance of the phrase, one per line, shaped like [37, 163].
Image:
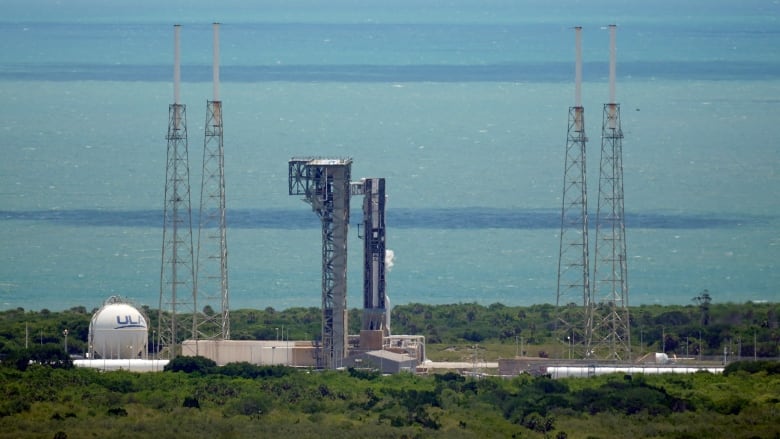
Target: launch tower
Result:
[325, 184]
[610, 338]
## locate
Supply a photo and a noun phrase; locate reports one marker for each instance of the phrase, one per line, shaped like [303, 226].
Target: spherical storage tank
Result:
[118, 330]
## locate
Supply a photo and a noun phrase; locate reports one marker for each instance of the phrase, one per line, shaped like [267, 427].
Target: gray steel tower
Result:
[573, 294]
[177, 273]
[611, 329]
[325, 184]
[213, 317]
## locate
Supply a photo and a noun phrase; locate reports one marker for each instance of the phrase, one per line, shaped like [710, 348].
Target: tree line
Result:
[702, 328]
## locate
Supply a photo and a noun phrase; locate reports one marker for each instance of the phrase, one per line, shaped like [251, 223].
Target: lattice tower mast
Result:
[611, 326]
[573, 293]
[325, 184]
[213, 318]
[177, 273]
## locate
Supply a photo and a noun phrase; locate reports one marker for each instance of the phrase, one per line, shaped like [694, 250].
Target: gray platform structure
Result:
[325, 185]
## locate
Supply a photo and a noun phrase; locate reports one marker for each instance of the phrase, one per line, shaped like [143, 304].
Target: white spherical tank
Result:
[118, 330]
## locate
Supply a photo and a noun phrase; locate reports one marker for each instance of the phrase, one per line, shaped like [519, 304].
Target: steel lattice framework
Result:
[213, 318]
[611, 330]
[325, 184]
[573, 293]
[572, 325]
[177, 274]
[611, 334]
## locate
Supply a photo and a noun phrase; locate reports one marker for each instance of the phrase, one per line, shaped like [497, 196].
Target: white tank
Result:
[118, 330]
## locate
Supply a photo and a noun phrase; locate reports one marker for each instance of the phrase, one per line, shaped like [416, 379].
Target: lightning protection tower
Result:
[325, 184]
[610, 338]
[573, 293]
[177, 274]
[213, 317]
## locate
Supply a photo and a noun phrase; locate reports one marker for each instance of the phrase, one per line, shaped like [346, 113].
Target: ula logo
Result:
[128, 321]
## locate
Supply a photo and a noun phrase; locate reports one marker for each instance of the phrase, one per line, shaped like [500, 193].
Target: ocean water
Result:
[462, 106]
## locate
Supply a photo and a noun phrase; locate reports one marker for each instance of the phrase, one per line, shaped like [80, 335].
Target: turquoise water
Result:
[461, 107]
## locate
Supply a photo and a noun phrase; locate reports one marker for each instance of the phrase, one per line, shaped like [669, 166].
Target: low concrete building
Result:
[262, 352]
[383, 361]
[400, 353]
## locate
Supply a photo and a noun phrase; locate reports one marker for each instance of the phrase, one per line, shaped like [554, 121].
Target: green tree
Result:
[703, 300]
[196, 364]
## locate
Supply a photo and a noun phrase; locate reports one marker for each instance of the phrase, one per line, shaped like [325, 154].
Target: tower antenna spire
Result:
[216, 62]
[177, 272]
[612, 62]
[573, 293]
[610, 337]
[176, 64]
[212, 269]
[578, 66]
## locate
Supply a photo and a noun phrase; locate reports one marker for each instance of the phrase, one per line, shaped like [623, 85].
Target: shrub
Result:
[253, 406]
[197, 364]
[252, 371]
[770, 367]
[368, 375]
[191, 402]
[116, 411]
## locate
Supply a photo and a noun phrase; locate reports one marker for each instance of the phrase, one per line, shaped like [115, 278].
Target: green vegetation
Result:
[44, 396]
[244, 400]
[701, 329]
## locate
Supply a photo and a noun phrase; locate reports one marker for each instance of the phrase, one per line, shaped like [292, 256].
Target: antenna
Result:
[578, 67]
[610, 337]
[177, 273]
[573, 293]
[211, 267]
[216, 61]
[176, 64]
[612, 62]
